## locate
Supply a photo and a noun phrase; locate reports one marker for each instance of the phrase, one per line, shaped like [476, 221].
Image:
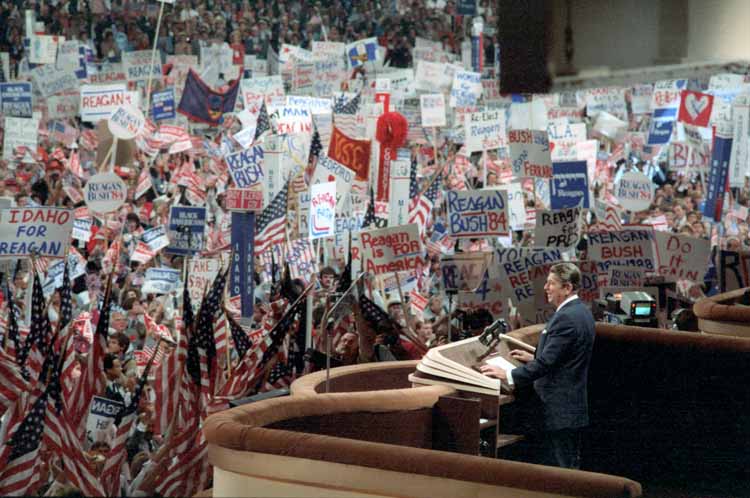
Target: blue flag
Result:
[203, 104]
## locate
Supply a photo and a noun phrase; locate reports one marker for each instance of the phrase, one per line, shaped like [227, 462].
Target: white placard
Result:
[126, 122]
[433, 110]
[485, 130]
[322, 210]
[634, 191]
[19, 132]
[105, 193]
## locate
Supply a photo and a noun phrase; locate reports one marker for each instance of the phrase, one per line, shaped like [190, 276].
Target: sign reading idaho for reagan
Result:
[391, 249]
[634, 191]
[477, 213]
[105, 193]
[43, 231]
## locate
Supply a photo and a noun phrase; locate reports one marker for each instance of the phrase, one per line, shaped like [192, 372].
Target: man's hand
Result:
[493, 371]
[521, 355]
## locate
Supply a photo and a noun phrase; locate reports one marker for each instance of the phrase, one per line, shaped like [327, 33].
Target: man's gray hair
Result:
[568, 273]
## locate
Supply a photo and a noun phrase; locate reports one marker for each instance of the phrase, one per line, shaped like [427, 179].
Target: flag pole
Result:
[409, 332]
[153, 56]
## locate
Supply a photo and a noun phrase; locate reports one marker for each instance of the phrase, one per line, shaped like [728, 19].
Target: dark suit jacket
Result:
[559, 370]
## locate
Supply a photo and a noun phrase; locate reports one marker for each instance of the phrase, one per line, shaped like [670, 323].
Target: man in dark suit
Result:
[559, 368]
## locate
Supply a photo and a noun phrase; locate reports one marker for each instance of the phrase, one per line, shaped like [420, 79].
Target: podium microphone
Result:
[492, 333]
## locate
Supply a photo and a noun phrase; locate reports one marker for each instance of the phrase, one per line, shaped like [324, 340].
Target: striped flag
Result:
[346, 116]
[35, 347]
[13, 385]
[263, 124]
[421, 209]
[271, 226]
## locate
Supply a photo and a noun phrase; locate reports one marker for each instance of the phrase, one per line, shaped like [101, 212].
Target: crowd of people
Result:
[382, 323]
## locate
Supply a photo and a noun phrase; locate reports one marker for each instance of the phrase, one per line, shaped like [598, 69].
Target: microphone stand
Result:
[324, 322]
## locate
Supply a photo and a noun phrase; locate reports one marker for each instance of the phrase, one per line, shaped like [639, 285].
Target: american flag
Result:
[12, 331]
[421, 208]
[203, 338]
[61, 437]
[166, 378]
[13, 385]
[374, 314]
[19, 456]
[263, 123]
[117, 456]
[611, 221]
[66, 304]
[370, 218]
[315, 145]
[271, 226]
[34, 349]
[346, 116]
[74, 165]
[89, 140]
[92, 380]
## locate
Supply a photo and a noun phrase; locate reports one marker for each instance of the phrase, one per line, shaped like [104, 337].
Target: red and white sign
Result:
[695, 108]
[244, 199]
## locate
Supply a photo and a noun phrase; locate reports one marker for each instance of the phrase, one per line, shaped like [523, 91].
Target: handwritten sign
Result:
[125, 122]
[329, 170]
[634, 191]
[433, 110]
[466, 89]
[105, 193]
[392, 249]
[564, 138]
[464, 271]
[322, 210]
[530, 154]
[245, 167]
[244, 199]
[569, 185]
[558, 228]
[632, 247]
[477, 213]
[138, 65]
[201, 274]
[35, 231]
[682, 257]
[485, 130]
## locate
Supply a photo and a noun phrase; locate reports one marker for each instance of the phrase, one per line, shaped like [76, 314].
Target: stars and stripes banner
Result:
[270, 228]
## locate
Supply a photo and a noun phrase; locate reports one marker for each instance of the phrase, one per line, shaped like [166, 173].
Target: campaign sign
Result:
[634, 191]
[201, 274]
[529, 153]
[433, 110]
[682, 257]
[631, 247]
[19, 132]
[125, 122]
[246, 166]
[329, 170]
[187, 226]
[466, 89]
[244, 199]
[665, 102]
[477, 213]
[105, 192]
[733, 269]
[156, 238]
[322, 210]
[102, 415]
[242, 271]
[15, 99]
[695, 108]
[160, 281]
[464, 271]
[42, 231]
[485, 130]
[99, 101]
[569, 185]
[717, 177]
[558, 228]
[386, 250]
[162, 105]
[82, 229]
[516, 268]
[138, 67]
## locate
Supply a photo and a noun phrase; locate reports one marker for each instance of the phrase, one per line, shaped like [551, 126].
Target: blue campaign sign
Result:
[241, 281]
[466, 7]
[569, 185]
[162, 105]
[717, 177]
[15, 99]
[187, 226]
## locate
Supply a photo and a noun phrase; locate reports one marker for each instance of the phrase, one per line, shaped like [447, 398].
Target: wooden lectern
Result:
[456, 365]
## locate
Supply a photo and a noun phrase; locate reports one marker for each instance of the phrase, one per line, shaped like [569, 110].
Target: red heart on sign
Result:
[331, 178]
[551, 146]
